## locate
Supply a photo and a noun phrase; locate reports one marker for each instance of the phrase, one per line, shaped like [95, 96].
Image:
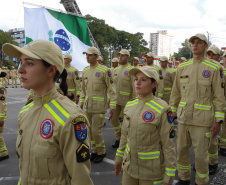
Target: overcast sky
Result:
[181, 18]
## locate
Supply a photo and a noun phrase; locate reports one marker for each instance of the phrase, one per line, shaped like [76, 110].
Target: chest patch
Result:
[69, 73]
[1, 91]
[80, 128]
[46, 128]
[167, 74]
[109, 73]
[206, 73]
[221, 73]
[170, 117]
[97, 74]
[148, 116]
[126, 73]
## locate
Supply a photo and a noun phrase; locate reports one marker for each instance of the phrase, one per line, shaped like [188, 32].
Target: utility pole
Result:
[208, 37]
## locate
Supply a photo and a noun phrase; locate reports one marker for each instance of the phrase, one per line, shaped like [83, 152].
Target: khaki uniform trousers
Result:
[4, 81]
[96, 122]
[14, 82]
[3, 150]
[115, 121]
[128, 180]
[223, 136]
[198, 137]
[213, 151]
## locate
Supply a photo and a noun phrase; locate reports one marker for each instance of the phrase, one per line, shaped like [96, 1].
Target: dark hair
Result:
[154, 89]
[63, 81]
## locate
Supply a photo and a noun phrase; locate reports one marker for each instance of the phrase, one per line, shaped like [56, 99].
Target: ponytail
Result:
[154, 89]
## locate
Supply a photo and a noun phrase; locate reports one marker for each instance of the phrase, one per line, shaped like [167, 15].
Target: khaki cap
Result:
[68, 56]
[115, 60]
[224, 54]
[124, 52]
[100, 58]
[221, 62]
[183, 59]
[214, 49]
[164, 58]
[38, 49]
[92, 50]
[150, 54]
[136, 58]
[13, 67]
[147, 70]
[200, 36]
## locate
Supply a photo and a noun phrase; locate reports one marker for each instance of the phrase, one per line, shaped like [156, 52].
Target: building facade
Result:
[161, 44]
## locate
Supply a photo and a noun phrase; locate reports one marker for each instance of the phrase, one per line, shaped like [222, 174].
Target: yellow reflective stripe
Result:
[185, 64]
[98, 99]
[168, 89]
[101, 69]
[183, 167]
[86, 98]
[211, 64]
[82, 100]
[131, 103]
[202, 107]
[78, 92]
[71, 69]
[3, 148]
[182, 104]
[156, 67]
[129, 67]
[93, 142]
[19, 181]
[158, 182]
[160, 94]
[85, 69]
[25, 108]
[71, 90]
[102, 115]
[169, 70]
[222, 139]
[213, 155]
[124, 93]
[119, 153]
[174, 109]
[170, 171]
[155, 106]
[219, 114]
[127, 149]
[116, 128]
[202, 175]
[113, 103]
[149, 155]
[100, 144]
[208, 134]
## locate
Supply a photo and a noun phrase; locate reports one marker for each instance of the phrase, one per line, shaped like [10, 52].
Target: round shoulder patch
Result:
[148, 116]
[46, 128]
[97, 74]
[167, 74]
[206, 73]
[69, 73]
[126, 73]
[80, 128]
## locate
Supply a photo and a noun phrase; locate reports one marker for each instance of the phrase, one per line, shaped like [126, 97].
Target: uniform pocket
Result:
[204, 88]
[97, 86]
[184, 85]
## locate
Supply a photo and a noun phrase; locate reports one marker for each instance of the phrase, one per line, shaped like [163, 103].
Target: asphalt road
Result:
[101, 174]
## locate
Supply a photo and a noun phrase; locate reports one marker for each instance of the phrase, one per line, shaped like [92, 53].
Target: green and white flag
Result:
[69, 32]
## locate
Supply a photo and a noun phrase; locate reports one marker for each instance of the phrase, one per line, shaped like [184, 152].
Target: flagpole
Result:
[57, 10]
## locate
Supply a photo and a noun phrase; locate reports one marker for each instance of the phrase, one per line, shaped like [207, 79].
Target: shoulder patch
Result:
[172, 132]
[46, 128]
[2, 98]
[82, 153]
[221, 73]
[80, 128]
[169, 116]
[109, 73]
[77, 78]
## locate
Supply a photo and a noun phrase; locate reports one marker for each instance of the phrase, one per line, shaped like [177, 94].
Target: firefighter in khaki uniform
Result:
[14, 77]
[96, 83]
[115, 63]
[73, 80]
[135, 62]
[4, 79]
[197, 84]
[213, 53]
[146, 147]
[8, 75]
[53, 148]
[124, 91]
[3, 115]
[166, 79]
[170, 64]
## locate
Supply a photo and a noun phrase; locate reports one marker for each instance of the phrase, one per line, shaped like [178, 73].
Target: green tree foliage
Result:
[9, 64]
[111, 40]
[185, 51]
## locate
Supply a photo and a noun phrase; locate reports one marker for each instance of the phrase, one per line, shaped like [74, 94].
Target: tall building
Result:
[161, 44]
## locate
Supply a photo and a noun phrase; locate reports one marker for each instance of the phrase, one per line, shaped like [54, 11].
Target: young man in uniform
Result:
[73, 79]
[150, 60]
[166, 79]
[170, 66]
[135, 62]
[96, 83]
[182, 59]
[124, 84]
[14, 77]
[197, 84]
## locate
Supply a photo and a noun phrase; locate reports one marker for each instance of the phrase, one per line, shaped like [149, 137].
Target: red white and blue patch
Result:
[167, 74]
[109, 73]
[69, 73]
[97, 74]
[206, 73]
[46, 128]
[2, 91]
[170, 117]
[80, 131]
[76, 73]
[221, 73]
[148, 116]
[126, 72]
[160, 72]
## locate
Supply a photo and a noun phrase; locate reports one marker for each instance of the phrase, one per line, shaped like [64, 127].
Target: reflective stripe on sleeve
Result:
[82, 100]
[112, 103]
[124, 93]
[174, 109]
[70, 90]
[170, 171]
[127, 149]
[184, 167]
[158, 182]
[119, 153]
[160, 94]
[3, 148]
[102, 115]
[222, 139]
[100, 144]
[219, 114]
[208, 134]
[182, 104]
[19, 181]
[116, 128]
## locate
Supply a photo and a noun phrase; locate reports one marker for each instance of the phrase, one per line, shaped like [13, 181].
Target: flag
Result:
[69, 32]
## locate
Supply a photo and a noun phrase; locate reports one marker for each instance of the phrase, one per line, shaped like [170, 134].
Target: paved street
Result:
[102, 174]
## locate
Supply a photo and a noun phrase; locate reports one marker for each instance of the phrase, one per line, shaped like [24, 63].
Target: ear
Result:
[52, 71]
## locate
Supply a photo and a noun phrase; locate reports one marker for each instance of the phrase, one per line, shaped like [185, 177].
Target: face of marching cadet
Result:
[150, 60]
[123, 59]
[143, 84]
[34, 74]
[92, 58]
[198, 46]
[213, 56]
[163, 64]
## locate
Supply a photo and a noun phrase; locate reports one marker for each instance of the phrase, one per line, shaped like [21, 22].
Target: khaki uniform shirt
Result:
[14, 73]
[124, 84]
[197, 85]
[3, 109]
[47, 144]
[73, 80]
[137, 66]
[8, 73]
[155, 66]
[96, 83]
[166, 79]
[146, 148]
